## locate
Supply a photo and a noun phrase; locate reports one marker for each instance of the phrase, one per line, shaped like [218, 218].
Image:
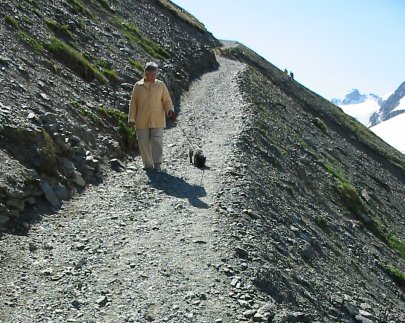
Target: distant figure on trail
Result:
[285, 72]
[292, 75]
[150, 104]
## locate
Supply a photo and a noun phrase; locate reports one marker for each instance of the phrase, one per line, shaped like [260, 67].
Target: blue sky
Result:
[331, 46]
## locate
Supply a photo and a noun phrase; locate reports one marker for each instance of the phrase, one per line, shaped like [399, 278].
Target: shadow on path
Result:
[178, 187]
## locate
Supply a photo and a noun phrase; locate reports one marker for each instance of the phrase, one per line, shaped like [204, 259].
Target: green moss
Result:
[396, 244]
[332, 171]
[120, 119]
[396, 274]
[31, 41]
[75, 60]
[352, 198]
[106, 69]
[12, 22]
[133, 34]
[85, 112]
[320, 124]
[321, 221]
[79, 8]
[47, 149]
[58, 28]
[104, 4]
[182, 14]
[136, 64]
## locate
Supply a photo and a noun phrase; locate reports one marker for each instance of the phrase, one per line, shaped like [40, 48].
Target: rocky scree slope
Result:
[66, 71]
[143, 247]
[322, 221]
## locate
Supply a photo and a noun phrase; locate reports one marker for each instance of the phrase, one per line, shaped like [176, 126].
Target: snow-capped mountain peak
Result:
[384, 116]
[355, 97]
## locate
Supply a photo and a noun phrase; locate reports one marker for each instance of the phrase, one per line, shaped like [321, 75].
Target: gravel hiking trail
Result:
[139, 247]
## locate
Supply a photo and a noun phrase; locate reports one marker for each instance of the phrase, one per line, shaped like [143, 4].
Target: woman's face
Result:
[150, 76]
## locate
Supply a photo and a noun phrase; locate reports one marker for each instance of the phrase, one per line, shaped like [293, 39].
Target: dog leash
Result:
[184, 134]
[191, 145]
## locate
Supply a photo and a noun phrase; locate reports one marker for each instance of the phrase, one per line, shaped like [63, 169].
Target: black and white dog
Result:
[196, 156]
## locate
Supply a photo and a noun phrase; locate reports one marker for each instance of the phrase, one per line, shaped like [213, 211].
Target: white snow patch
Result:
[392, 132]
[361, 111]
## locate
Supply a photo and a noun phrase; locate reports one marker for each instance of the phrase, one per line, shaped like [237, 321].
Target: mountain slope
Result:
[298, 217]
[67, 69]
[390, 107]
[318, 189]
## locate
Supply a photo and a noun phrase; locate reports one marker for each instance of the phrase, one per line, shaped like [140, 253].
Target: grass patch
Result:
[396, 275]
[104, 4]
[397, 244]
[320, 221]
[106, 69]
[85, 112]
[75, 60]
[332, 171]
[136, 64]
[46, 152]
[133, 34]
[320, 124]
[182, 14]
[352, 198]
[120, 119]
[31, 41]
[58, 29]
[79, 8]
[12, 22]
[353, 202]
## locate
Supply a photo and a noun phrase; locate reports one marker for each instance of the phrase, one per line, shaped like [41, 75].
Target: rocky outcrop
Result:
[387, 110]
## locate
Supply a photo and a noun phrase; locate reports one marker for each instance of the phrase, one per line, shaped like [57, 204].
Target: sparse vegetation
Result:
[85, 112]
[397, 244]
[396, 274]
[320, 124]
[12, 22]
[332, 171]
[320, 220]
[75, 60]
[120, 119]
[79, 8]
[31, 41]
[59, 29]
[352, 198]
[104, 4]
[136, 64]
[133, 34]
[47, 151]
[106, 69]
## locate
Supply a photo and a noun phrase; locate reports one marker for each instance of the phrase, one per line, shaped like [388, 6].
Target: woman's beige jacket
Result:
[150, 103]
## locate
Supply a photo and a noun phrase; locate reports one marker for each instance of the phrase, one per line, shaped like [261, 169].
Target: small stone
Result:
[249, 313]
[241, 253]
[235, 281]
[79, 180]
[199, 241]
[259, 318]
[244, 304]
[101, 301]
[50, 194]
[44, 96]
[117, 165]
[32, 247]
[362, 319]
